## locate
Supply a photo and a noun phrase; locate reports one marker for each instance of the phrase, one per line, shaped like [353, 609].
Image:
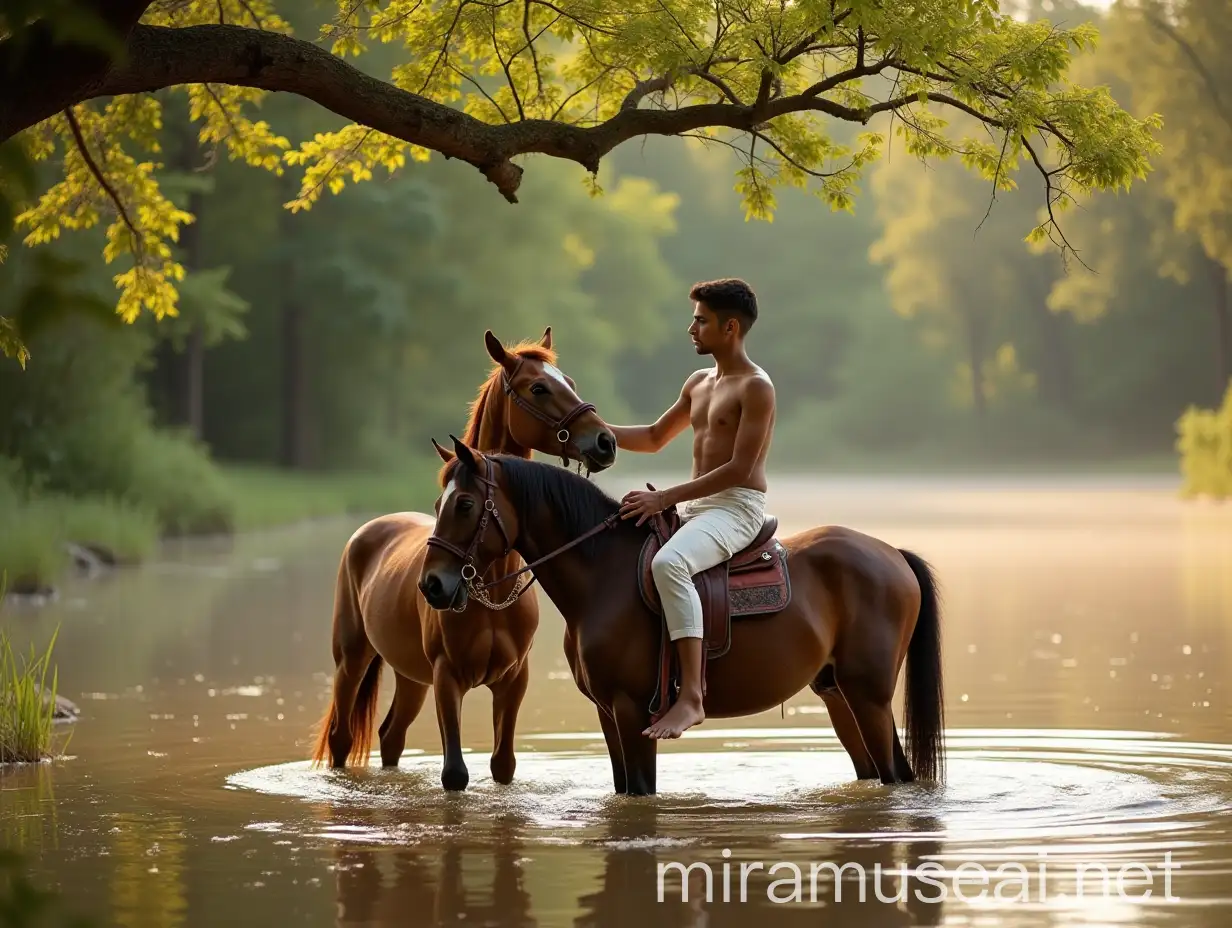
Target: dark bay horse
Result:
[859, 609]
[381, 617]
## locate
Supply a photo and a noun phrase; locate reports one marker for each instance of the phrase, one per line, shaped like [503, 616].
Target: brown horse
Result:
[380, 616]
[858, 609]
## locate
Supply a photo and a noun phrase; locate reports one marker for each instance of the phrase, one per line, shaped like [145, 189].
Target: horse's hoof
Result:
[455, 779]
[502, 773]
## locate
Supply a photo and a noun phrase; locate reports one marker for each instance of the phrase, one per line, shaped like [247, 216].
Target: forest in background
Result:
[316, 353]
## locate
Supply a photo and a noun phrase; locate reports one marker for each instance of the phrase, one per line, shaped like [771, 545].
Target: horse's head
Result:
[475, 525]
[545, 412]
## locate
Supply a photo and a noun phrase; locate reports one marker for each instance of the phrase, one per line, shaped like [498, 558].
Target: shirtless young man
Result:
[731, 408]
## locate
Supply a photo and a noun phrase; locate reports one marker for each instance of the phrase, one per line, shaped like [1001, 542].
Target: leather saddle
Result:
[753, 582]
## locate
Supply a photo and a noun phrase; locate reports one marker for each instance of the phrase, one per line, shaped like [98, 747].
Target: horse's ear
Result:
[465, 455]
[495, 349]
[445, 454]
[546, 341]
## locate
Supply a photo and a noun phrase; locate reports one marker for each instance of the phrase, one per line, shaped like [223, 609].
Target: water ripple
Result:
[1123, 792]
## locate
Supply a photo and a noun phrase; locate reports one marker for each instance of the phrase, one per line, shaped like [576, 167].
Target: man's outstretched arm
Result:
[756, 414]
[654, 437]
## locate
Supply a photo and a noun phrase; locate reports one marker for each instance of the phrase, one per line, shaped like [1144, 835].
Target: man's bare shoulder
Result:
[696, 379]
[757, 386]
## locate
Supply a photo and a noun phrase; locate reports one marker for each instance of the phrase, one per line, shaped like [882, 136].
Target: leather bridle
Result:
[491, 513]
[561, 425]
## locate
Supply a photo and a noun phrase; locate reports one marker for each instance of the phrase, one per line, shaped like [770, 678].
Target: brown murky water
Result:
[1086, 629]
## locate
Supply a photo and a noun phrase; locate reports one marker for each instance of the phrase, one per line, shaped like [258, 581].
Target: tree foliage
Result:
[487, 81]
[1204, 442]
[1172, 58]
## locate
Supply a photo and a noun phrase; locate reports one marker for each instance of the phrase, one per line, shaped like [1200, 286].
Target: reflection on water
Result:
[147, 888]
[1084, 637]
[1052, 810]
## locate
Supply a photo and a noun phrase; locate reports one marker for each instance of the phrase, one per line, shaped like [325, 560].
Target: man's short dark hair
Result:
[728, 297]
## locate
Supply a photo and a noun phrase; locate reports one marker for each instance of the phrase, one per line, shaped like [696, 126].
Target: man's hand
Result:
[642, 503]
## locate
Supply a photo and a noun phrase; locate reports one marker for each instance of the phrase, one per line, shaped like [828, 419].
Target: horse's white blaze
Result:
[555, 374]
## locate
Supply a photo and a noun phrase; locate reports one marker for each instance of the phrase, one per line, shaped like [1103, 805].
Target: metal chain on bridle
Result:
[469, 571]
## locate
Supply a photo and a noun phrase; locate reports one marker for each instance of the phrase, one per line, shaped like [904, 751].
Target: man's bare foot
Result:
[686, 713]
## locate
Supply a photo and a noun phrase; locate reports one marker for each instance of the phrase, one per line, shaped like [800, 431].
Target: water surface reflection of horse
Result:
[875, 886]
[526, 404]
[434, 885]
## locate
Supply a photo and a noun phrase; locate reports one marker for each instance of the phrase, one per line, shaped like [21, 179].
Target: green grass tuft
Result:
[27, 703]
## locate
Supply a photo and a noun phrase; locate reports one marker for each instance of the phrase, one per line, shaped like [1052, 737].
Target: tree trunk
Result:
[294, 368]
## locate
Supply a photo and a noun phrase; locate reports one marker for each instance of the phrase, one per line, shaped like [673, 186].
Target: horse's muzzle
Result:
[600, 451]
[440, 595]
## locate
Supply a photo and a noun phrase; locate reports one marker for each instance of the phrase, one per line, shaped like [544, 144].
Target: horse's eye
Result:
[538, 389]
[465, 505]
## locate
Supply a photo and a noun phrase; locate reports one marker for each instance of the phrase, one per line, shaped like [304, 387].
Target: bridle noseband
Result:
[468, 555]
[561, 425]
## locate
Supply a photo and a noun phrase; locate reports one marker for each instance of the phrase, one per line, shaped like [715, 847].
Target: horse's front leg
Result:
[449, 693]
[640, 753]
[611, 734]
[507, 695]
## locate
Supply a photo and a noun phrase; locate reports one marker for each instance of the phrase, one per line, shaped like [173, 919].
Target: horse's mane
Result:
[577, 504]
[490, 387]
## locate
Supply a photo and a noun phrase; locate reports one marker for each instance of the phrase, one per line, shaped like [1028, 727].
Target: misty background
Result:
[918, 332]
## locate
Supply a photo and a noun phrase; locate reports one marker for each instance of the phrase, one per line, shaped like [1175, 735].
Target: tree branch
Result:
[41, 76]
[897, 103]
[1049, 199]
[158, 57]
[806, 43]
[851, 74]
[75, 128]
[664, 82]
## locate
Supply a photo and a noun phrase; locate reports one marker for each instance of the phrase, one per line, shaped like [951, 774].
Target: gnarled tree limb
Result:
[157, 57]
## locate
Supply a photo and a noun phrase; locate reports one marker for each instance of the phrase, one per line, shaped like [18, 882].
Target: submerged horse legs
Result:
[449, 692]
[507, 695]
[639, 751]
[611, 734]
[866, 683]
[409, 698]
[844, 724]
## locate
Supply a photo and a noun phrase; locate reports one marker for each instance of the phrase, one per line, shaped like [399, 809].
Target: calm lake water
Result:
[1086, 634]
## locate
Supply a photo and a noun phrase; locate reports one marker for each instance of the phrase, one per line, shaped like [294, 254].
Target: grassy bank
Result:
[266, 498]
[39, 529]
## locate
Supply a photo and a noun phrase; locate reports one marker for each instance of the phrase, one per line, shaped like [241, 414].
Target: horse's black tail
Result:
[925, 704]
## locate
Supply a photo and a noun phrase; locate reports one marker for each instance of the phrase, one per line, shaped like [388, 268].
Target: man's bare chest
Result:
[715, 408]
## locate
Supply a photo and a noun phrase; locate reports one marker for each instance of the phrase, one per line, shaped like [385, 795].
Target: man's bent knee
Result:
[670, 566]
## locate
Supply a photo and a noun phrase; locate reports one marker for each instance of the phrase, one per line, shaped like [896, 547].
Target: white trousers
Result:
[712, 530]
